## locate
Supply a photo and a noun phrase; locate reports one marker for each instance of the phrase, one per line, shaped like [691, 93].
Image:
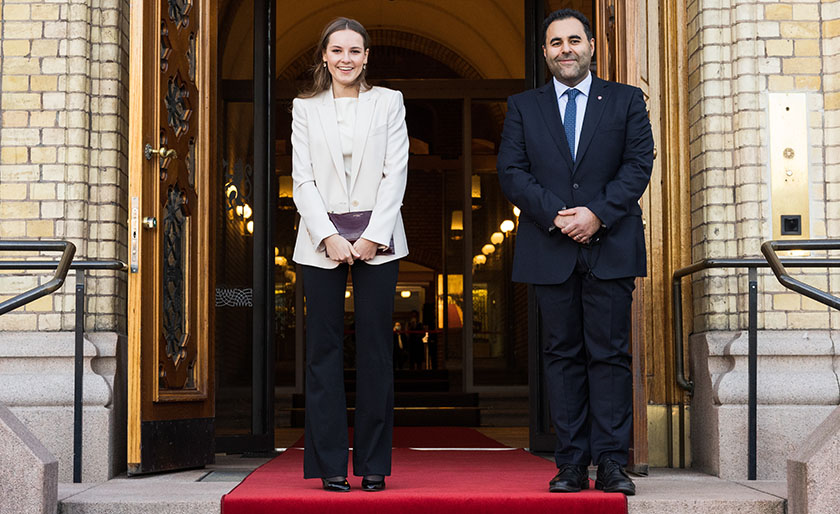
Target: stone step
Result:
[504, 409]
[670, 491]
[664, 491]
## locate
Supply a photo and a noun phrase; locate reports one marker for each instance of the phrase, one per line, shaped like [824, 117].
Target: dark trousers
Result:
[586, 323]
[326, 449]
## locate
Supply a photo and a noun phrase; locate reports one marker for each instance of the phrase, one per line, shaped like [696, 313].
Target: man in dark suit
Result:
[575, 157]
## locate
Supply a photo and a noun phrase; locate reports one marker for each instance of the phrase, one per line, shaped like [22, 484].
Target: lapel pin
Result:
[600, 97]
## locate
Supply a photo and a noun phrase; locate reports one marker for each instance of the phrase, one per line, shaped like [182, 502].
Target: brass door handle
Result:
[162, 152]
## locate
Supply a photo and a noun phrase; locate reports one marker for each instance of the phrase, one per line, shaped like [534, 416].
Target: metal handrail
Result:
[68, 250]
[106, 264]
[679, 364]
[777, 265]
[61, 268]
[769, 249]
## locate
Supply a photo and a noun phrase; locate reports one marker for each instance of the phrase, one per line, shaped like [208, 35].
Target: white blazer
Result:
[379, 171]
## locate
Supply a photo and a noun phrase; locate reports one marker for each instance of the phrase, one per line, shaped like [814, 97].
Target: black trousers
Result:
[326, 449]
[586, 323]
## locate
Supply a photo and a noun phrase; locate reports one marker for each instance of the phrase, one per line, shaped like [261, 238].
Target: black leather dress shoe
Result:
[336, 486]
[373, 485]
[570, 478]
[612, 478]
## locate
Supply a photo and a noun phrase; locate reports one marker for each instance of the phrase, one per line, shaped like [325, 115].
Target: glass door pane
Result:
[500, 317]
[285, 275]
[433, 213]
[234, 247]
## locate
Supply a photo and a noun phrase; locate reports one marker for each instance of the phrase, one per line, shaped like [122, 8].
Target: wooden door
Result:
[171, 163]
[628, 52]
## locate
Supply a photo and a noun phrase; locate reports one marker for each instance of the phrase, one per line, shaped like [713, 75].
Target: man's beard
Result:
[561, 72]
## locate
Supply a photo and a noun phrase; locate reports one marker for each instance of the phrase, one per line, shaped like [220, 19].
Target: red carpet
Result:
[424, 482]
[432, 437]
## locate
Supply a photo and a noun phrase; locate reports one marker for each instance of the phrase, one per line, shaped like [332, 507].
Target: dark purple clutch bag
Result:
[351, 225]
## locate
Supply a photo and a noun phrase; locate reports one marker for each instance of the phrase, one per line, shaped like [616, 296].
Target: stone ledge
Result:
[770, 342]
[788, 388]
[28, 471]
[38, 369]
[794, 367]
[52, 390]
[797, 390]
[37, 383]
[35, 344]
[812, 470]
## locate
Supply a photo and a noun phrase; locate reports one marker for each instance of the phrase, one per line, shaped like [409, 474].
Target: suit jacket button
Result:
[575, 185]
[355, 203]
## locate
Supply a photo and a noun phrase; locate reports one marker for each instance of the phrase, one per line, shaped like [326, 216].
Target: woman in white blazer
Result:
[350, 154]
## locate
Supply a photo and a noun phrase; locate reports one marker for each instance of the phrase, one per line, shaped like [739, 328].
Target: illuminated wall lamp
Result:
[285, 192]
[507, 226]
[284, 186]
[244, 211]
[497, 238]
[405, 294]
[456, 227]
[475, 192]
[475, 189]
[488, 249]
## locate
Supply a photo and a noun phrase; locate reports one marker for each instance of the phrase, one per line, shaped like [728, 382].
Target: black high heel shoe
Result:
[373, 485]
[338, 486]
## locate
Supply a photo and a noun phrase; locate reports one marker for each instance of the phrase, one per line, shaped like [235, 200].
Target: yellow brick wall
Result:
[63, 166]
[739, 52]
[63, 171]
[830, 47]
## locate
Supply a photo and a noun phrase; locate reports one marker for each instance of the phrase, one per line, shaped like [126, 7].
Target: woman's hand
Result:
[340, 249]
[366, 249]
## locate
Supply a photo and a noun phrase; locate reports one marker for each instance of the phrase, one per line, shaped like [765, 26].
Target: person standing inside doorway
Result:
[575, 157]
[349, 168]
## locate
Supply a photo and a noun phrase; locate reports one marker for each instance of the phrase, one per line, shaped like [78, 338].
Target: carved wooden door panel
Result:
[625, 54]
[171, 158]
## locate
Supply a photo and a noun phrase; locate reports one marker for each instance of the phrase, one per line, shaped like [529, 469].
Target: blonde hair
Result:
[321, 78]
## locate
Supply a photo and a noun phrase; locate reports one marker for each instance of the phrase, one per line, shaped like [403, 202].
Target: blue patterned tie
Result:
[570, 119]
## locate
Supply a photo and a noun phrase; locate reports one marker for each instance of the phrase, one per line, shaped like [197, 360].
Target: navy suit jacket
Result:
[612, 170]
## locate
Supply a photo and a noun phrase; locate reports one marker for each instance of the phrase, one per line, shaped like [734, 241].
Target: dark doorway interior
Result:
[454, 290]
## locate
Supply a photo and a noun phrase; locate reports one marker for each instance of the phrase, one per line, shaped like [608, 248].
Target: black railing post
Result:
[752, 374]
[61, 268]
[79, 360]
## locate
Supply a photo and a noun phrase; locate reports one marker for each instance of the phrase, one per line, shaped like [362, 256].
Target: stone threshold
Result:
[664, 491]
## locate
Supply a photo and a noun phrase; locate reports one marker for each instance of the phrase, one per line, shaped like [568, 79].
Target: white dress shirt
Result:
[345, 113]
[580, 102]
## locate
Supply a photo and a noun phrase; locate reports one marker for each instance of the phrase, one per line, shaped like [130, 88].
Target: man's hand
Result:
[561, 221]
[340, 249]
[579, 223]
[365, 249]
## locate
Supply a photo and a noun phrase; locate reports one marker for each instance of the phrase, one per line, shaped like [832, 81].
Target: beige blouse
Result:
[345, 112]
